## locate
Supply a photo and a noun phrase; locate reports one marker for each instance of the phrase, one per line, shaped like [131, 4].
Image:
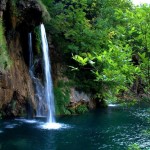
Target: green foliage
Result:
[37, 35]
[45, 14]
[134, 147]
[72, 111]
[62, 97]
[81, 109]
[5, 61]
[135, 24]
[127, 104]
[102, 37]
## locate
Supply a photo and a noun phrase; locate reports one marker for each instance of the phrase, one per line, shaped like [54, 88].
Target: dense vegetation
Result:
[105, 43]
[4, 57]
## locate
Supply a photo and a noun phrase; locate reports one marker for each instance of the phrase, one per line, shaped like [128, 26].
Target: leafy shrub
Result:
[62, 97]
[81, 109]
[98, 40]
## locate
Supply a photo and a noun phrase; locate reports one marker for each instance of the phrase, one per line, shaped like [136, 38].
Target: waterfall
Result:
[30, 52]
[48, 79]
[39, 89]
[43, 93]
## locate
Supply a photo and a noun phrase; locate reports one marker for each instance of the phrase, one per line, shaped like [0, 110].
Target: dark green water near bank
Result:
[114, 128]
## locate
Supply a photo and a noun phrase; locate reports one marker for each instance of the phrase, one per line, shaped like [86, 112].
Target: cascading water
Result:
[30, 53]
[39, 89]
[48, 79]
[44, 94]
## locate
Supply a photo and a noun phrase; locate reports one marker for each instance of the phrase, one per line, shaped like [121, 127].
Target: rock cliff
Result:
[16, 90]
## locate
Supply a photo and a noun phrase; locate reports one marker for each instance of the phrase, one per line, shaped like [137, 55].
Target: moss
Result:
[13, 104]
[16, 17]
[5, 61]
[37, 35]
[22, 113]
[62, 100]
[67, 112]
[72, 110]
[81, 109]
[62, 97]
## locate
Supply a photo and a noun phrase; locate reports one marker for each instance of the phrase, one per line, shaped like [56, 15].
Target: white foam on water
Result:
[113, 105]
[1, 131]
[38, 116]
[11, 126]
[55, 126]
[48, 85]
[27, 121]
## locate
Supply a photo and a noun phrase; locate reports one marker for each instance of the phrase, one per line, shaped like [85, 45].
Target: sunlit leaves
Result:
[102, 37]
[79, 59]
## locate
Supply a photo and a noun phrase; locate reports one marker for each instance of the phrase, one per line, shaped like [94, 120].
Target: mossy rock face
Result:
[4, 56]
[72, 110]
[14, 109]
[22, 14]
[19, 17]
[62, 98]
[67, 112]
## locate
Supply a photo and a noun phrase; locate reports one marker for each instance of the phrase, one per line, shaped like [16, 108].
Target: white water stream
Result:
[39, 89]
[49, 96]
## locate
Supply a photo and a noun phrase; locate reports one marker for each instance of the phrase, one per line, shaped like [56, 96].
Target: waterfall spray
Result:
[39, 89]
[49, 96]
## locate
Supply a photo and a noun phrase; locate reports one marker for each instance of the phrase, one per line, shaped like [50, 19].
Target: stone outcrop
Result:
[59, 68]
[16, 89]
[81, 98]
[30, 12]
[2, 7]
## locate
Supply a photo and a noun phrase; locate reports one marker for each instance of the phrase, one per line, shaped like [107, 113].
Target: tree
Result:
[102, 39]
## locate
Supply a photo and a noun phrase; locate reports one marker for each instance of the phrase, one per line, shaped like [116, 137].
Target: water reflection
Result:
[27, 120]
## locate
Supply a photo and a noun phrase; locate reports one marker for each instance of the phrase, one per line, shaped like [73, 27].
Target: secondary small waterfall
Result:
[30, 53]
[49, 96]
[39, 89]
